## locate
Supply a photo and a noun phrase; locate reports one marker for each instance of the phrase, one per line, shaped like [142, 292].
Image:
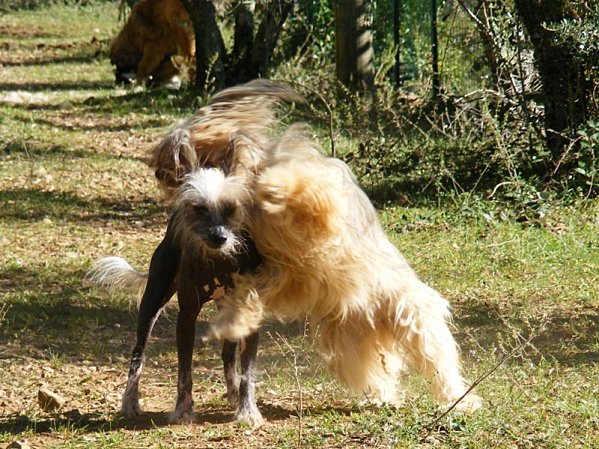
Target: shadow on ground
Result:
[94, 422]
[81, 58]
[570, 339]
[32, 205]
[55, 86]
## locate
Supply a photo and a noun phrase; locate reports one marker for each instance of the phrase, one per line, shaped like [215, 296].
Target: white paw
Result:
[469, 404]
[250, 418]
[219, 330]
[232, 397]
[183, 416]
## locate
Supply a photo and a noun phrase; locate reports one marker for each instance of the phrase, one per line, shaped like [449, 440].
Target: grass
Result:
[74, 186]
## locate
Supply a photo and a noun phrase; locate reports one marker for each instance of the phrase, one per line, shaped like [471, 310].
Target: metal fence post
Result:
[434, 49]
[396, 16]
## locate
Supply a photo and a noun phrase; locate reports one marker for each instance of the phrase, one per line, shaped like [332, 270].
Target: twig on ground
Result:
[483, 377]
[297, 381]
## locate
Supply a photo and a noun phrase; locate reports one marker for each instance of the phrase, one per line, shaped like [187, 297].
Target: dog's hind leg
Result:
[443, 368]
[159, 289]
[152, 56]
[358, 356]
[241, 390]
[248, 412]
[227, 356]
[432, 350]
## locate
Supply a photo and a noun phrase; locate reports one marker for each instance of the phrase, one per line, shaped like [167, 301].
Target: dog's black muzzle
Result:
[124, 77]
[217, 237]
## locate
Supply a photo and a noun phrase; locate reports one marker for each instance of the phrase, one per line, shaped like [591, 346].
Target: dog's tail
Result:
[115, 274]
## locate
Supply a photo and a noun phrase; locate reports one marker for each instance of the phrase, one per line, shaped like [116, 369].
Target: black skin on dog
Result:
[125, 72]
[195, 276]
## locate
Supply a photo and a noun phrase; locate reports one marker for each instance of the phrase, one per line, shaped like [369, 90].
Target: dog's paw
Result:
[130, 408]
[185, 417]
[222, 329]
[174, 83]
[181, 415]
[378, 399]
[469, 404]
[232, 397]
[208, 333]
[250, 417]
[217, 329]
[204, 332]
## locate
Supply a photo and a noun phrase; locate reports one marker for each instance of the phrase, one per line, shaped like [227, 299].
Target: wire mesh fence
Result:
[436, 46]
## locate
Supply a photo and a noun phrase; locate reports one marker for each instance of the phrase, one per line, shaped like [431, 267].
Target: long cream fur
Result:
[327, 257]
[232, 130]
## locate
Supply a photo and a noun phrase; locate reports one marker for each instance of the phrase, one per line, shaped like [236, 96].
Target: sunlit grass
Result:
[84, 21]
[75, 186]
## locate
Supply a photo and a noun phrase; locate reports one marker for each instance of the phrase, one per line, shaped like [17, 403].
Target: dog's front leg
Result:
[189, 308]
[152, 56]
[240, 313]
[159, 289]
[248, 412]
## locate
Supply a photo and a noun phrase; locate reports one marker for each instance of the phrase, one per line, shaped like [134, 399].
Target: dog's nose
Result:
[124, 77]
[218, 236]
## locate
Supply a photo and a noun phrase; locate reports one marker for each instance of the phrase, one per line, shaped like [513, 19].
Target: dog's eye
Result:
[201, 209]
[228, 210]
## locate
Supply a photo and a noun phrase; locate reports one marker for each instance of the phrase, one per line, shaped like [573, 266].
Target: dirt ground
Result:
[75, 186]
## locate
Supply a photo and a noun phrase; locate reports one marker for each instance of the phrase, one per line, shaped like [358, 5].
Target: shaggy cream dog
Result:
[326, 257]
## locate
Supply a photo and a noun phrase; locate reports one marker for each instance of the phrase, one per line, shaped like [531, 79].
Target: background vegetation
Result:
[457, 183]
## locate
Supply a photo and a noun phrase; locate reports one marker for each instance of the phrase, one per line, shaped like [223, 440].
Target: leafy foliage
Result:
[74, 186]
[487, 129]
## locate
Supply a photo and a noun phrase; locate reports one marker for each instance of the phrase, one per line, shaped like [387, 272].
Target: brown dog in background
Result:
[155, 31]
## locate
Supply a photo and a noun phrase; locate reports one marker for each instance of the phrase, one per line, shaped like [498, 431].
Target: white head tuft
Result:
[210, 186]
[208, 183]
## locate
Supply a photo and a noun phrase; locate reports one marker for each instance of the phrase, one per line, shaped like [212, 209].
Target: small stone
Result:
[18, 445]
[49, 401]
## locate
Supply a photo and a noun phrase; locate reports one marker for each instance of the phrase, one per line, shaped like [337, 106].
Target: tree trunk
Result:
[244, 32]
[251, 55]
[273, 17]
[353, 46]
[565, 89]
[210, 48]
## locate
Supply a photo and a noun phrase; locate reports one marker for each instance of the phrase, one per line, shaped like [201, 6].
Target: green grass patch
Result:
[521, 276]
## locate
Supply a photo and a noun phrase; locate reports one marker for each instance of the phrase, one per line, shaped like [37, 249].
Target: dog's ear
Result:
[174, 158]
[307, 197]
[229, 159]
[245, 152]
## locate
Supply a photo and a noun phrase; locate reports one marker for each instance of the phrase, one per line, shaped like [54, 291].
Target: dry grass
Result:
[74, 186]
